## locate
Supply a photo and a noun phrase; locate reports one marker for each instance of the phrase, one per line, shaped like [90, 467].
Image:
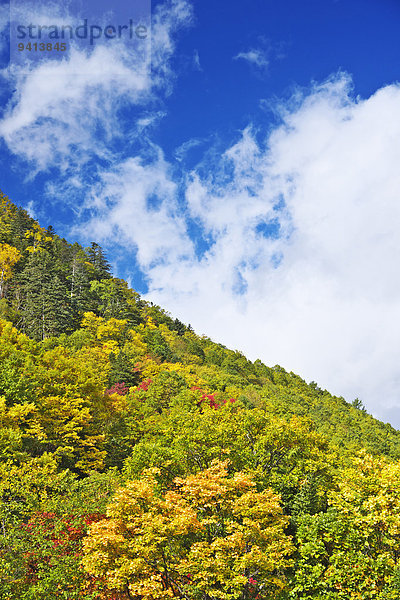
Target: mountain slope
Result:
[98, 385]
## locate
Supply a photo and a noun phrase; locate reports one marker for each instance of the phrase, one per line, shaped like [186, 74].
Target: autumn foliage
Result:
[140, 461]
[211, 535]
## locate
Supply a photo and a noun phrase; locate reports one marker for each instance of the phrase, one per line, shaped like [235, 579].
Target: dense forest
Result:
[142, 461]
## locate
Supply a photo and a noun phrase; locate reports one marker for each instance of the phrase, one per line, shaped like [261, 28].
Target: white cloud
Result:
[56, 114]
[323, 298]
[65, 112]
[255, 57]
[4, 26]
[196, 61]
[136, 205]
[168, 19]
[182, 151]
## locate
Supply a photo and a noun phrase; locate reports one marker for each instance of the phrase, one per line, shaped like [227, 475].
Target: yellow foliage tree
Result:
[7, 213]
[37, 237]
[9, 256]
[212, 536]
[67, 430]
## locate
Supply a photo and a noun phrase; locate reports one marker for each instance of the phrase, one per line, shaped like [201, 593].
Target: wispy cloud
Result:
[137, 204]
[256, 57]
[196, 61]
[262, 54]
[58, 119]
[182, 151]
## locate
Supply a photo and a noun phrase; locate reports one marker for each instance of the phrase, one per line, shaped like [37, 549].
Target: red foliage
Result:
[63, 535]
[137, 368]
[144, 385]
[253, 591]
[210, 399]
[118, 388]
[61, 531]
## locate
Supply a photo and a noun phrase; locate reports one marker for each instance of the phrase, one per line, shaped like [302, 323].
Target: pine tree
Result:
[78, 277]
[20, 224]
[97, 258]
[46, 308]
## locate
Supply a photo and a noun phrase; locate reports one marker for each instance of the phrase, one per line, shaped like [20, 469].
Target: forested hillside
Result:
[142, 461]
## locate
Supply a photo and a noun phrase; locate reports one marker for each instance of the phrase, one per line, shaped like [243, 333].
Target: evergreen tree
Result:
[46, 308]
[178, 326]
[20, 224]
[97, 258]
[78, 278]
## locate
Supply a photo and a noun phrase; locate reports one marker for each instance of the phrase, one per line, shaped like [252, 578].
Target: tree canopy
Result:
[139, 460]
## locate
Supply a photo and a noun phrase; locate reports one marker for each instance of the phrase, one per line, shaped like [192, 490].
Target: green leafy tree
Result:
[351, 551]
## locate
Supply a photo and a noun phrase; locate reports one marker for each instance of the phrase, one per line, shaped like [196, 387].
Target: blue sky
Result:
[248, 182]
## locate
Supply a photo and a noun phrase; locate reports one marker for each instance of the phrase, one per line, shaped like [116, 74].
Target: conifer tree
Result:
[97, 258]
[20, 224]
[46, 308]
[78, 278]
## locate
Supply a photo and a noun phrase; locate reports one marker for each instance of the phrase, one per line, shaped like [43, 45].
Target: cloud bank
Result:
[300, 262]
